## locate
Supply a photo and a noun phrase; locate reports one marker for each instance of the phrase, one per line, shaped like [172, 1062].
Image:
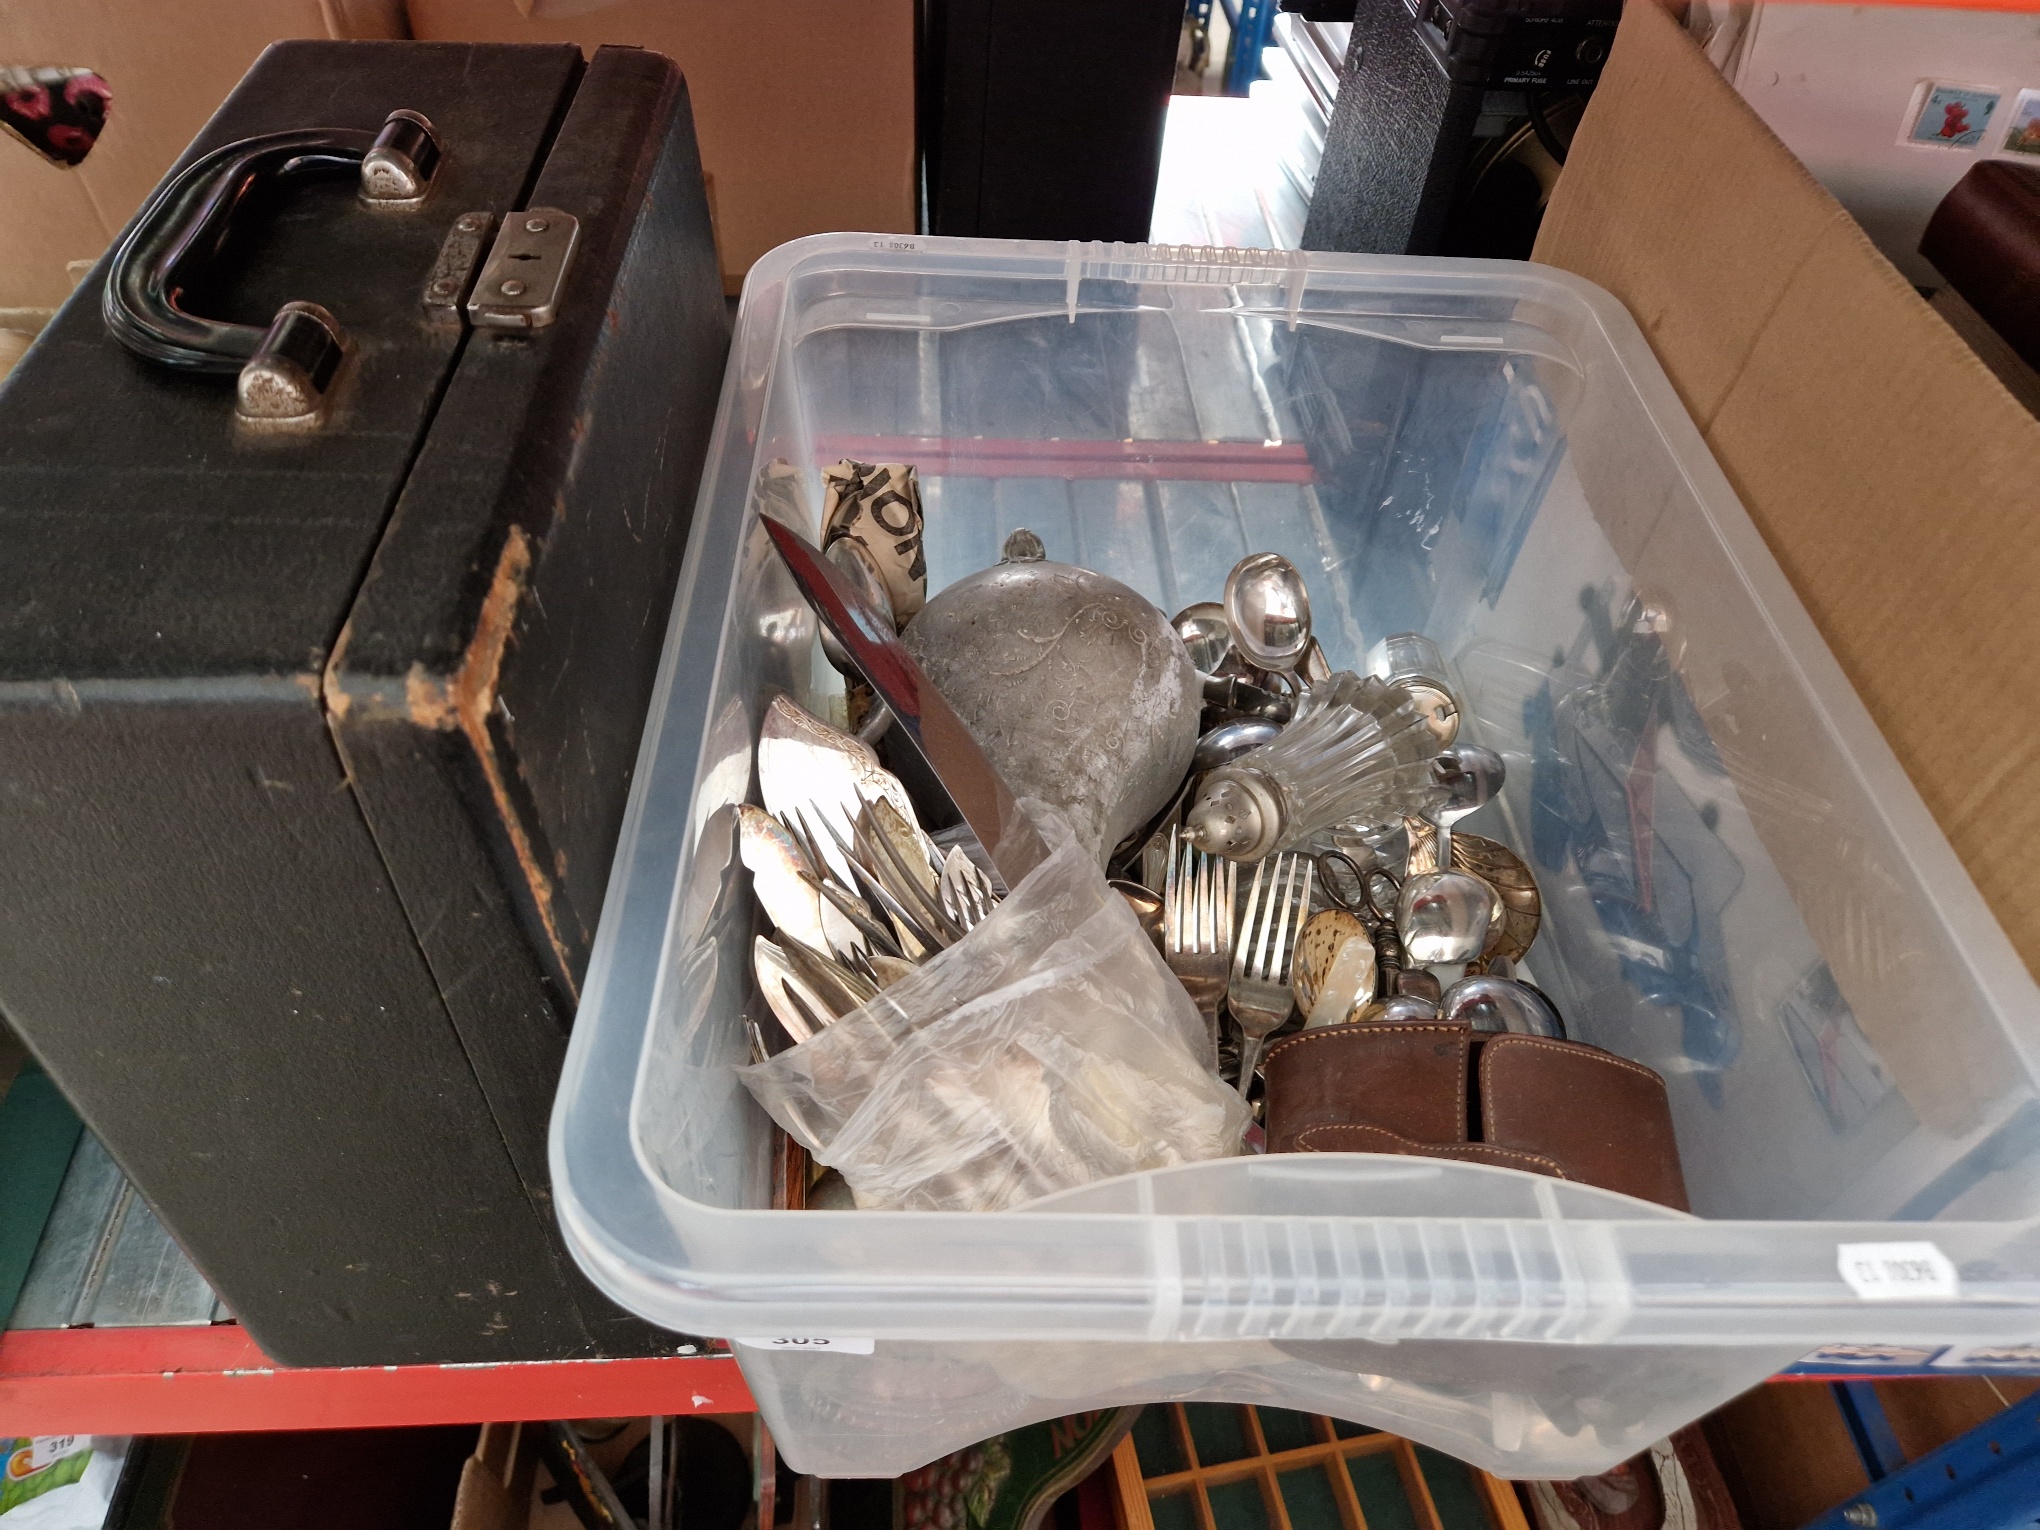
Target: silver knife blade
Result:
[929, 722]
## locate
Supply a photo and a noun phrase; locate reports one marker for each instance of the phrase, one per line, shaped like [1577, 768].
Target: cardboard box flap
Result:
[1892, 476]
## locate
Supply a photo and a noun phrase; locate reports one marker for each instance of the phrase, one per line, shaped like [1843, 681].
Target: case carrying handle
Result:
[286, 368]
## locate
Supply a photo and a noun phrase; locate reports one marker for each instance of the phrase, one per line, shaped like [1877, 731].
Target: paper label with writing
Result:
[1896, 1272]
[811, 1346]
[49, 1449]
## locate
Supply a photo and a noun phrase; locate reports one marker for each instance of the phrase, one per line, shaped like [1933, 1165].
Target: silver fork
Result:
[1197, 926]
[966, 892]
[1258, 995]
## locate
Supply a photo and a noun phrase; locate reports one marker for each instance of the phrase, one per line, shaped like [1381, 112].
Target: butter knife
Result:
[929, 722]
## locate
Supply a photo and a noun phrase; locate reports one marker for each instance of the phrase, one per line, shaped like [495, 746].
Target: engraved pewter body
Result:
[1076, 688]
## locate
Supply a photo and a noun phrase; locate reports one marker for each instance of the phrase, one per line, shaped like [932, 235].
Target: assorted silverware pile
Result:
[1283, 832]
[858, 893]
[1340, 792]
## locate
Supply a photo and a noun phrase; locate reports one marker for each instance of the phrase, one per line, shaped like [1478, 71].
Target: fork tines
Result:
[966, 892]
[1268, 933]
[1197, 901]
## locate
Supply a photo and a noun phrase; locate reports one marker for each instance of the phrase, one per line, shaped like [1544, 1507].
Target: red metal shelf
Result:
[205, 1380]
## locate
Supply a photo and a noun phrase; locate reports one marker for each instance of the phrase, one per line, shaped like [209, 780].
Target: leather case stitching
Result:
[1342, 1032]
[1576, 1049]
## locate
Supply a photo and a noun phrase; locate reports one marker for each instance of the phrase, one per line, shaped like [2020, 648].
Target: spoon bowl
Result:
[1471, 778]
[1442, 917]
[1403, 1008]
[850, 556]
[1500, 1004]
[1522, 906]
[1206, 634]
[1268, 609]
[1146, 904]
[1229, 740]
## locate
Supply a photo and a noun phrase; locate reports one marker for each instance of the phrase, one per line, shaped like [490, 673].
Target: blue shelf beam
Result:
[1870, 1428]
[1253, 22]
[1987, 1479]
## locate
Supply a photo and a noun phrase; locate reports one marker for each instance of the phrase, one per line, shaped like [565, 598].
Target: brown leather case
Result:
[1413, 1078]
[1603, 1118]
[1444, 1091]
[1985, 238]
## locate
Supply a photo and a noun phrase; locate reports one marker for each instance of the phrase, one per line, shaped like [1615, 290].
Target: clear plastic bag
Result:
[1049, 1048]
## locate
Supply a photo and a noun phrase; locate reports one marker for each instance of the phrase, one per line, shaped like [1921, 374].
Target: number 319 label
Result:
[1893, 1272]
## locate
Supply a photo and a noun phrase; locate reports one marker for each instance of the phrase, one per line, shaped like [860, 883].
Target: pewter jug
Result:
[1074, 685]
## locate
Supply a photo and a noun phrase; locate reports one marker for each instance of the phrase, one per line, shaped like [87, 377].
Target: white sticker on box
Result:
[1896, 1272]
[811, 1346]
[49, 1449]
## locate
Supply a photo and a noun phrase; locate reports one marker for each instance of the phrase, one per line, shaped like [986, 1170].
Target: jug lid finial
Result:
[1022, 546]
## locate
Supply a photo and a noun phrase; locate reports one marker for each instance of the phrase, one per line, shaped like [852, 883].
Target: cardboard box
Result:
[804, 109]
[496, 1482]
[1893, 476]
[169, 64]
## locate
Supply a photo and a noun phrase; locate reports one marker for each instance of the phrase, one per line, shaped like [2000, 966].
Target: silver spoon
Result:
[1403, 1008]
[1500, 1004]
[1268, 609]
[1146, 904]
[1206, 634]
[1229, 740]
[1472, 778]
[1443, 916]
[852, 559]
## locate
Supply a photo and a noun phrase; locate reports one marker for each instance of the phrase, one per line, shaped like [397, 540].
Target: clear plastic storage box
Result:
[1742, 889]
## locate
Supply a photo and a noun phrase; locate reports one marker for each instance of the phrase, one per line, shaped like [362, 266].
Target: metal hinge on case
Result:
[520, 286]
[453, 273]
